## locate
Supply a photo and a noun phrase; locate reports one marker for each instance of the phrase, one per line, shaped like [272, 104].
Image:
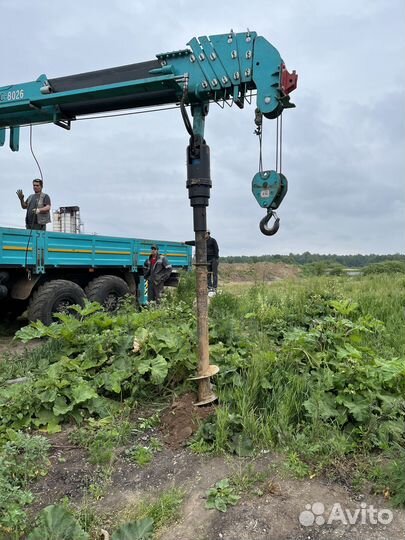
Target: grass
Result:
[163, 509]
[382, 296]
[302, 370]
[103, 436]
[13, 366]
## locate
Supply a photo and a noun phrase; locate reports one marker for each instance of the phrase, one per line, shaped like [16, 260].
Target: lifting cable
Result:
[36, 206]
[34, 156]
[259, 132]
[261, 152]
[278, 166]
[279, 143]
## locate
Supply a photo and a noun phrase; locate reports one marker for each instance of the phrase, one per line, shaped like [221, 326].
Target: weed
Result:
[22, 460]
[200, 446]
[221, 496]
[145, 424]
[100, 483]
[296, 466]
[163, 510]
[142, 455]
[389, 476]
[314, 366]
[85, 513]
[30, 363]
[155, 444]
[102, 437]
[246, 478]
[58, 519]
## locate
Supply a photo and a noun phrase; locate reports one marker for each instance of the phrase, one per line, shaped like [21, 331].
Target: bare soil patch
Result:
[256, 272]
[271, 514]
[182, 419]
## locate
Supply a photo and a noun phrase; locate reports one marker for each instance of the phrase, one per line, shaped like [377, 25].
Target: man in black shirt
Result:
[212, 261]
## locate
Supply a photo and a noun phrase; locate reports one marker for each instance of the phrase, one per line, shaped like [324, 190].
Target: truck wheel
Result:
[54, 297]
[107, 291]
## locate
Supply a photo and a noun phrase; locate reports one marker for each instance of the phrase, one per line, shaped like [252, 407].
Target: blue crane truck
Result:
[45, 272]
[227, 68]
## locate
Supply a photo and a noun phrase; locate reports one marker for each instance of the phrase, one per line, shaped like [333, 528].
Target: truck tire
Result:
[54, 297]
[107, 291]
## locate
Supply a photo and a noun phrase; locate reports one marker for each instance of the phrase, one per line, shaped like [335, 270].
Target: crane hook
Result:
[263, 223]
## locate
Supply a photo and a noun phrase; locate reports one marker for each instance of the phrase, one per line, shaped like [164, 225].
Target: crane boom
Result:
[213, 68]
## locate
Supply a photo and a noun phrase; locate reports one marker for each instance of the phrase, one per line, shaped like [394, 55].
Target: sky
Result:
[343, 144]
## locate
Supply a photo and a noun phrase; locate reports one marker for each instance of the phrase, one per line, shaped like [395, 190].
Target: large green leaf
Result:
[61, 406]
[138, 530]
[56, 523]
[47, 418]
[241, 444]
[167, 339]
[83, 392]
[357, 406]
[159, 369]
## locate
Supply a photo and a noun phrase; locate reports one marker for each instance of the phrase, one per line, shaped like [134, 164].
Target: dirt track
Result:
[271, 513]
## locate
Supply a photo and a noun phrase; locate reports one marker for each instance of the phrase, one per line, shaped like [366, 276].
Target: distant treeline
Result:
[350, 261]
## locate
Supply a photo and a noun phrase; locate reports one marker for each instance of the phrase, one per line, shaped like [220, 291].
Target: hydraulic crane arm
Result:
[214, 68]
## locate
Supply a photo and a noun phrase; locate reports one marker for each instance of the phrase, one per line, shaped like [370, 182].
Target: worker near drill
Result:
[38, 206]
[212, 261]
[157, 270]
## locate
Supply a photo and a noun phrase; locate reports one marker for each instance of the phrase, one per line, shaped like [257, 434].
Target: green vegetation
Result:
[244, 481]
[163, 510]
[221, 496]
[22, 459]
[101, 436]
[321, 268]
[314, 368]
[58, 523]
[101, 361]
[142, 455]
[322, 378]
[350, 261]
[137, 522]
[386, 267]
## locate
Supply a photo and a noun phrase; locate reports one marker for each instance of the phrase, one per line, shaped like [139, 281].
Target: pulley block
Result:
[269, 188]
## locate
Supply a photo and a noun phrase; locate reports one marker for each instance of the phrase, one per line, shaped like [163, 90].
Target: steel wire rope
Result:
[36, 206]
[261, 152]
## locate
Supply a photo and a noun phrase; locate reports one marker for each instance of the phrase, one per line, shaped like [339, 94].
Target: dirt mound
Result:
[256, 272]
[182, 419]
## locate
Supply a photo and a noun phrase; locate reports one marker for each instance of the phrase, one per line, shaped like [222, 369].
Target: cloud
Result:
[342, 146]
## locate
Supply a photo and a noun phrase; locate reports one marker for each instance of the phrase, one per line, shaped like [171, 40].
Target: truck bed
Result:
[43, 250]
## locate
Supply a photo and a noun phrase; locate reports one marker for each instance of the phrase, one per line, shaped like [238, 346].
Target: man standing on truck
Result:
[157, 271]
[38, 206]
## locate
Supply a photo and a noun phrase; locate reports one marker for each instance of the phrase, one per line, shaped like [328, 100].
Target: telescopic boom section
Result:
[211, 69]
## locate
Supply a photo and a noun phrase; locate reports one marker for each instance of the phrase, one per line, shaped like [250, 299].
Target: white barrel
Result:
[56, 224]
[67, 220]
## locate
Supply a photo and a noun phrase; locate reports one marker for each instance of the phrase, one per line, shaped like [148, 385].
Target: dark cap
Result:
[153, 247]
